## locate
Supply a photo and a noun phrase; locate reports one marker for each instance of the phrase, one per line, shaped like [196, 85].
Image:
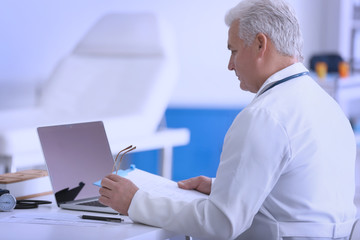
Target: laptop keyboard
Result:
[95, 203]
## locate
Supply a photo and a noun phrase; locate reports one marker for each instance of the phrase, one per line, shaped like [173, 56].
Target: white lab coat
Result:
[286, 170]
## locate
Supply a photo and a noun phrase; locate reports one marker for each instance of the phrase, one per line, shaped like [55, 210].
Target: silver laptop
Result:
[77, 155]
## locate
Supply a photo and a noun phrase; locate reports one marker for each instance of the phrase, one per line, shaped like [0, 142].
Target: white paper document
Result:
[162, 187]
[157, 186]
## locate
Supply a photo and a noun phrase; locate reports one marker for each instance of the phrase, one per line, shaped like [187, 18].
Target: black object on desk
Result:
[28, 204]
[99, 218]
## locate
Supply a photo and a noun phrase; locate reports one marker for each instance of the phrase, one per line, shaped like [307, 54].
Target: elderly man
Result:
[287, 166]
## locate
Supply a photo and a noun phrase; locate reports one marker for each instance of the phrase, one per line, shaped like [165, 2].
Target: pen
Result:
[107, 219]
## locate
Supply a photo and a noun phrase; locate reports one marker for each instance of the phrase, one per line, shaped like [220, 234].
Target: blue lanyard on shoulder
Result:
[285, 80]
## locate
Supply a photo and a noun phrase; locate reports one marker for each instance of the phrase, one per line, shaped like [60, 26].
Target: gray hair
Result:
[274, 18]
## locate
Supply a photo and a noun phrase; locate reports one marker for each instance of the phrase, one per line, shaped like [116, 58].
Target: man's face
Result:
[242, 60]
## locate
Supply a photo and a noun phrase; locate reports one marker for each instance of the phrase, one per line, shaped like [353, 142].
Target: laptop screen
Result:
[76, 155]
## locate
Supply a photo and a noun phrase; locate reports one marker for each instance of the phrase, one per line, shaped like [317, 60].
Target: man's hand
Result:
[117, 192]
[200, 183]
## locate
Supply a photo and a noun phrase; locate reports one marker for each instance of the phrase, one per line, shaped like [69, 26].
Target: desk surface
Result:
[36, 231]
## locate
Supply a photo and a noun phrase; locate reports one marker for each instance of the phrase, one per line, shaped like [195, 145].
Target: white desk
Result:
[29, 231]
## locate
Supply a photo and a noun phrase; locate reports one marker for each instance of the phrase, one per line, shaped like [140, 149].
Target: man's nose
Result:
[231, 65]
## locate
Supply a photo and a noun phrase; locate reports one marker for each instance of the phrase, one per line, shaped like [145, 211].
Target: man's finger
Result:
[114, 177]
[105, 192]
[110, 180]
[104, 200]
[191, 183]
[106, 182]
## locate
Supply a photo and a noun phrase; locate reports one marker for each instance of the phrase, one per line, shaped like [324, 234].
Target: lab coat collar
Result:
[286, 72]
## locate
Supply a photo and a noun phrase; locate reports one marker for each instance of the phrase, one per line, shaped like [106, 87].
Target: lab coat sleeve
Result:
[199, 218]
[254, 153]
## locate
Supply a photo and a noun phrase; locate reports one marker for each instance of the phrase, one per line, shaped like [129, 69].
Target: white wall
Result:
[35, 34]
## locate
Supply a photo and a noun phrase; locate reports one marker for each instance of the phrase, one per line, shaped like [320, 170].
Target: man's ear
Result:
[261, 41]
